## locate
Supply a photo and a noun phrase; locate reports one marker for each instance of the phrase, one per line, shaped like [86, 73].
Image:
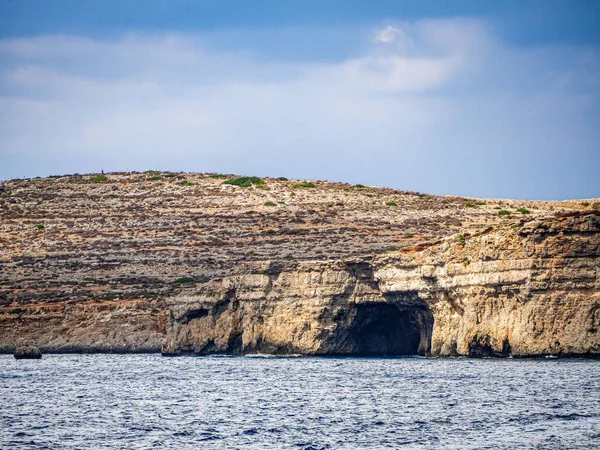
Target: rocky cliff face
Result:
[186, 264]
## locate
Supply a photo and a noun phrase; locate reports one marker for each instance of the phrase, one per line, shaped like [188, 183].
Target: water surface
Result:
[147, 401]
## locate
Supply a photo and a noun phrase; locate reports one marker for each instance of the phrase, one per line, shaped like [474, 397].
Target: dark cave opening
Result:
[383, 329]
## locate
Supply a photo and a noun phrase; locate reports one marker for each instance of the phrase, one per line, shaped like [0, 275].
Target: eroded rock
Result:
[145, 262]
[27, 352]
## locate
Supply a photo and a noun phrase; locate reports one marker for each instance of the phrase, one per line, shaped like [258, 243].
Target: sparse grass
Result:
[503, 212]
[245, 181]
[474, 204]
[305, 185]
[184, 280]
[99, 179]
[270, 203]
[461, 240]
[39, 226]
[218, 176]
[391, 203]
[523, 210]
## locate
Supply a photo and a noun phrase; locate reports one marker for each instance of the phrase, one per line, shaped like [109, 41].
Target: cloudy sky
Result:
[489, 99]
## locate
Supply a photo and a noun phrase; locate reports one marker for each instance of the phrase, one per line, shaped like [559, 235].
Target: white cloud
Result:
[388, 34]
[418, 109]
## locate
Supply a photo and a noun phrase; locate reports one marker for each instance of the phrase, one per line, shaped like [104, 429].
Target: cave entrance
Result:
[384, 329]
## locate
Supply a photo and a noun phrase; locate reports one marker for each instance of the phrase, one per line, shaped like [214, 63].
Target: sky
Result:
[474, 98]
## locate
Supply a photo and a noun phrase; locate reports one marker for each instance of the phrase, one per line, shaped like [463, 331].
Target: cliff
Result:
[189, 263]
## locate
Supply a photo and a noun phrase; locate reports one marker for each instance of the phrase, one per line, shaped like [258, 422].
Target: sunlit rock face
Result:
[184, 264]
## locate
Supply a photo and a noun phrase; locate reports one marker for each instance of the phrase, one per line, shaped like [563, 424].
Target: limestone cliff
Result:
[190, 264]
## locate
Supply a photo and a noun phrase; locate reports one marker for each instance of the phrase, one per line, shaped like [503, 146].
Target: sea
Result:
[102, 401]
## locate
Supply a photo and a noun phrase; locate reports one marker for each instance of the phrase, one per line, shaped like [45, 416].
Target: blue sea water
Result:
[147, 401]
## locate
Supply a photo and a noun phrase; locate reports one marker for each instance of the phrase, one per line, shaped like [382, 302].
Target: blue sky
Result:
[476, 98]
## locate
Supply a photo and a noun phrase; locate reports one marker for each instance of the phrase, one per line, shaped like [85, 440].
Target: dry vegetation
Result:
[150, 235]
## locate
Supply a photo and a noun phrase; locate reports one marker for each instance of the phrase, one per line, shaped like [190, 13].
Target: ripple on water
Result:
[267, 402]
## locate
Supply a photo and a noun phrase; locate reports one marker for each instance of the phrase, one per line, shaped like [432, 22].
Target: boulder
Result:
[27, 352]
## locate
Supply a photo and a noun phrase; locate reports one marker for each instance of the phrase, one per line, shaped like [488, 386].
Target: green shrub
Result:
[250, 212]
[17, 311]
[99, 179]
[282, 178]
[330, 205]
[461, 239]
[270, 203]
[185, 183]
[585, 203]
[304, 185]
[281, 202]
[113, 195]
[218, 175]
[151, 172]
[391, 203]
[170, 175]
[369, 195]
[503, 212]
[474, 204]
[360, 186]
[39, 226]
[184, 280]
[245, 181]
[154, 178]
[523, 210]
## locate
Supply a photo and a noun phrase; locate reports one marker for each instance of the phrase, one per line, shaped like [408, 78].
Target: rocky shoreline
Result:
[194, 264]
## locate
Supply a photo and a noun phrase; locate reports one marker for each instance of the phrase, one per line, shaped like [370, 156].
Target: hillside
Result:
[194, 263]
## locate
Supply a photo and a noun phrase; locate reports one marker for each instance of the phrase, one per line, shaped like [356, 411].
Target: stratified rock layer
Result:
[188, 265]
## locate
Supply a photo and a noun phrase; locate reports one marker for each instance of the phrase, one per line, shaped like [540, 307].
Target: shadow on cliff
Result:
[391, 328]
